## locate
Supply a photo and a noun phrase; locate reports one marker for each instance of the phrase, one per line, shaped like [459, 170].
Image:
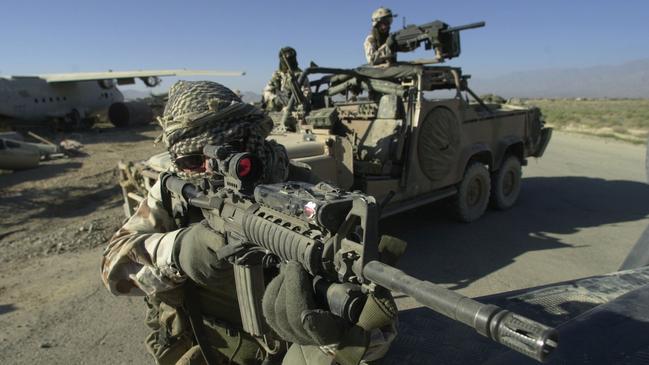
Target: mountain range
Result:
[627, 80]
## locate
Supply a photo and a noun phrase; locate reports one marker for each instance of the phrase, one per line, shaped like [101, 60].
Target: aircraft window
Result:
[57, 99]
[36, 101]
[2, 145]
[65, 98]
[51, 100]
[43, 100]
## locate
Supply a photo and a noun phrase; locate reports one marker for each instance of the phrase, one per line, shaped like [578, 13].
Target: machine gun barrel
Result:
[464, 27]
[512, 330]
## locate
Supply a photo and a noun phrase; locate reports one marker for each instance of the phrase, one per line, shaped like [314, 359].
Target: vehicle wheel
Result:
[506, 184]
[473, 193]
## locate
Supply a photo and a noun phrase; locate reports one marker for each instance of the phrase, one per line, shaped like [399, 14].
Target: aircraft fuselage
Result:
[34, 99]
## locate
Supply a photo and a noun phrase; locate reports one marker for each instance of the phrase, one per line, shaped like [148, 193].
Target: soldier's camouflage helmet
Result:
[382, 14]
[205, 112]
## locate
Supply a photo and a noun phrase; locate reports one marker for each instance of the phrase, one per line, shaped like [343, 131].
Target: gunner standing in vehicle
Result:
[377, 47]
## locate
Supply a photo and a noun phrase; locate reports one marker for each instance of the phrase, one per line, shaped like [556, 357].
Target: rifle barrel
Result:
[519, 333]
[464, 27]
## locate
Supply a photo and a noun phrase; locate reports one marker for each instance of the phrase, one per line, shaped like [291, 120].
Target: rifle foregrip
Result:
[283, 242]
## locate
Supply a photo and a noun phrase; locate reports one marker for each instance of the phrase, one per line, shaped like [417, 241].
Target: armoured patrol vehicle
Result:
[385, 131]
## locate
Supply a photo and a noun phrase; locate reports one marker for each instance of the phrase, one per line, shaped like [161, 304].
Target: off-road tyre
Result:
[438, 144]
[473, 192]
[506, 183]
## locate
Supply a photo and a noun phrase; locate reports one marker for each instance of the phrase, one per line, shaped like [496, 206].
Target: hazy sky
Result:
[67, 36]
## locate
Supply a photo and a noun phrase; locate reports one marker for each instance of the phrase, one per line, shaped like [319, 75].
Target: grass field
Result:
[625, 119]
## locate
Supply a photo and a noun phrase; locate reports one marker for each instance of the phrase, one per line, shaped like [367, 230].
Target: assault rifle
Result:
[436, 34]
[333, 234]
[296, 88]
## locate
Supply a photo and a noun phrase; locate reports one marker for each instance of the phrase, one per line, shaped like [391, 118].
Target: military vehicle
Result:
[70, 100]
[406, 148]
[386, 132]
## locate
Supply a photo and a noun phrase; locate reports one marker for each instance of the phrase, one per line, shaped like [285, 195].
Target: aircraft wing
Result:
[130, 75]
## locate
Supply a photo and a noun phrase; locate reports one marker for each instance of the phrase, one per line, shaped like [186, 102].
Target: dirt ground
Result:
[54, 222]
[69, 204]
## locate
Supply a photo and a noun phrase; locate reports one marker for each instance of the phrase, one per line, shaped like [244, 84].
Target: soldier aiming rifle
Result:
[176, 255]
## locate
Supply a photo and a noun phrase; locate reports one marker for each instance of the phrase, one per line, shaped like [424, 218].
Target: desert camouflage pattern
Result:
[278, 90]
[376, 53]
[382, 14]
[137, 260]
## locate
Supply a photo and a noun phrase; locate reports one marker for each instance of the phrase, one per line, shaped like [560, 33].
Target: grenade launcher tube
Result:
[283, 242]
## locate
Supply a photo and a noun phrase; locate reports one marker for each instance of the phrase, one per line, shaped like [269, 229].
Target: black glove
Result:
[195, 254]
[289, 308]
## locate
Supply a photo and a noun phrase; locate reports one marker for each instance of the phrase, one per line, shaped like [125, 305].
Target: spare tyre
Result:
[438, 143]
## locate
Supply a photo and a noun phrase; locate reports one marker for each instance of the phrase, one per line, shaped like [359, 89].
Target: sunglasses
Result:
[194, 162]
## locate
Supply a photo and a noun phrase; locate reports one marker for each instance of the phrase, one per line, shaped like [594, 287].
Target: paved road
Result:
[581, 209]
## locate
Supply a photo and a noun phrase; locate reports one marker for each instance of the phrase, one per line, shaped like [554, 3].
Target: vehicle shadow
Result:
[62, 202]
[444, 251]
[42, 171]
[113, 134]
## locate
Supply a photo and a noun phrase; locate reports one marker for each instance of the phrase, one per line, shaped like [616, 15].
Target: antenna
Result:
[403, 21]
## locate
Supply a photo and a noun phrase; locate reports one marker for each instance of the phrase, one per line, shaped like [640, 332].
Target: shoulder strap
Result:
[165, 193]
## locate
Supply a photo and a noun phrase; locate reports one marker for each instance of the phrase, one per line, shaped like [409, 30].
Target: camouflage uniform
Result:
[139, 258]
[377, 50]
[278, 90]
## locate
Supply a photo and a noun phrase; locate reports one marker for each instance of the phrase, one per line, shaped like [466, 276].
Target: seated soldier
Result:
[167, 252]
[278, 90]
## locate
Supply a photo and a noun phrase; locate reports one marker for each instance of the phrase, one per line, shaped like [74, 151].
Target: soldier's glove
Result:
[290, 309]
[195, 253]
